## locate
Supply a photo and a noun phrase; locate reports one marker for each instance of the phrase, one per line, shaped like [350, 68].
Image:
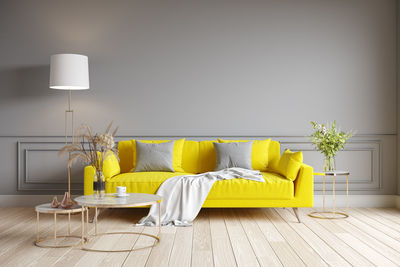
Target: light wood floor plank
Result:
[329, 255]
[20, 234]
[370, 253]
[379, 218]
[126, 223]
[110, 223]
[25, 252]
[221, 245]
[181, 254]
[160, 254]
[378, 224]
[241, 246]
[356, 232]
[393, 215]
[372, 231]
[283, 250]
[53, 255]
[202, 245]
[15, 214]
[261, 247]
[305, 251]
[9, 238]
[343, 249]
[139, 257]
[218, 237]
[78, 257]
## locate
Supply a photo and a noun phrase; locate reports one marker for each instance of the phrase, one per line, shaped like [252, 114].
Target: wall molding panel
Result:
[44, 172]
[39, 170]
[367, 176]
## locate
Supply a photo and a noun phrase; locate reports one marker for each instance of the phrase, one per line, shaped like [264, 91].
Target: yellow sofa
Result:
[198, 157]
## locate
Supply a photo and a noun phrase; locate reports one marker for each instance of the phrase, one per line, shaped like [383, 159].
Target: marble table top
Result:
[334, 172]
[46, 208]
[113, 201]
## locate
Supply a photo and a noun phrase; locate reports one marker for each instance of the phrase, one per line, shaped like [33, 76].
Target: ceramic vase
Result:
[55, 204]
[67, 203]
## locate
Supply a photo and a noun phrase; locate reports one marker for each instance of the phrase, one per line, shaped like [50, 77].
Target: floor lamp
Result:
[69, 72]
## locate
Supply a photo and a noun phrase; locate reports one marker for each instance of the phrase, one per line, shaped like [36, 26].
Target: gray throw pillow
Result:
[235, 154]
[154, 157]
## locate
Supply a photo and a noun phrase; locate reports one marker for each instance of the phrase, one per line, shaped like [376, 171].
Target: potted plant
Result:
[329, 140]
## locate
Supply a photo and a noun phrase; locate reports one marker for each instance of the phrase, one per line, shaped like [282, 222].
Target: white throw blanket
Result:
[183, 196]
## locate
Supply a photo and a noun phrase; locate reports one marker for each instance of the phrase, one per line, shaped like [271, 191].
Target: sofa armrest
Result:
[304, 185]
[110, 168]
[88, 176]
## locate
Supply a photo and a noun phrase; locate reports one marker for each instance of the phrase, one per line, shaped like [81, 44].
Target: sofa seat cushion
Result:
[140, 182]
[275, 186]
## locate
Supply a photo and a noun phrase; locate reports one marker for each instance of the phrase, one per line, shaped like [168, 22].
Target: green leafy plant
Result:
[329, 140]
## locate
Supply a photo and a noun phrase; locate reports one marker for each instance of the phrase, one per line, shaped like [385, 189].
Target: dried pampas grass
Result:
[91, 148]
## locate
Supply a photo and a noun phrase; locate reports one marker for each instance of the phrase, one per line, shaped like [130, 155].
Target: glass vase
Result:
[99, 184]
[330, 164]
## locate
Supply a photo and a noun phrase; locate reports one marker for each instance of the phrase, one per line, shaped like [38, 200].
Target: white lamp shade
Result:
[69, 72]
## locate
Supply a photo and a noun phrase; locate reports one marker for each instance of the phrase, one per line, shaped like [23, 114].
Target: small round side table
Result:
[334, 214]
[47, 209]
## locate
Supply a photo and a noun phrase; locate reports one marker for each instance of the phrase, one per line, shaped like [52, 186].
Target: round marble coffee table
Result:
[46, 208]
[112, 201]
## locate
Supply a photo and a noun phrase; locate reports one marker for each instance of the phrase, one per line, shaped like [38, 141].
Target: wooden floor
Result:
[219, 237]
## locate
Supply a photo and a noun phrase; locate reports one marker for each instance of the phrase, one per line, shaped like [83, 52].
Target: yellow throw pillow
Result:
[290, 163]
[111, 166]
[207, 156]
[259, 153]
[178, 150]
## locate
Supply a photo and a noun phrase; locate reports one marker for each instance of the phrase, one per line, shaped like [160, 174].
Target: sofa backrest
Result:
[197, 156]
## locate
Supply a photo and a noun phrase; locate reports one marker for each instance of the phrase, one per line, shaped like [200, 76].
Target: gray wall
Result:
[201, 68]
[398, 101]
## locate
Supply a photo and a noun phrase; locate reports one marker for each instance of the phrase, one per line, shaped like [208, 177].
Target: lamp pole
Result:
[69, 72]
[69, 111]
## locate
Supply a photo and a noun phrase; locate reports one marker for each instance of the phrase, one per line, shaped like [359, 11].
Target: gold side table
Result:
[334, 214]
[47, 209]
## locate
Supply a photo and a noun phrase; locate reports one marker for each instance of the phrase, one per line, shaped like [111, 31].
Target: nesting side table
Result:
[47, 209]
[334, 214]
[113, 201]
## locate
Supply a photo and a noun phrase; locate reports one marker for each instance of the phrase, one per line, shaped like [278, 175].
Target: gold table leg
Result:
[69, 223]
[323, 193]
[333, 194]
[95, 220]
[37, 226]
[159, 218]
[318, 215]
[82, 225]
[55, 229]
[347, 193]
[87, 222]
[39, 242]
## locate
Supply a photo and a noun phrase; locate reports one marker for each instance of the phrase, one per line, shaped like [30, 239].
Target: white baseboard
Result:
[359, 201]
[398, 201]
[26, 200]
[340, 201]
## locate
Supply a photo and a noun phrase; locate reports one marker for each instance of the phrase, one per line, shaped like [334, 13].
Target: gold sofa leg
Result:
[295, 210]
